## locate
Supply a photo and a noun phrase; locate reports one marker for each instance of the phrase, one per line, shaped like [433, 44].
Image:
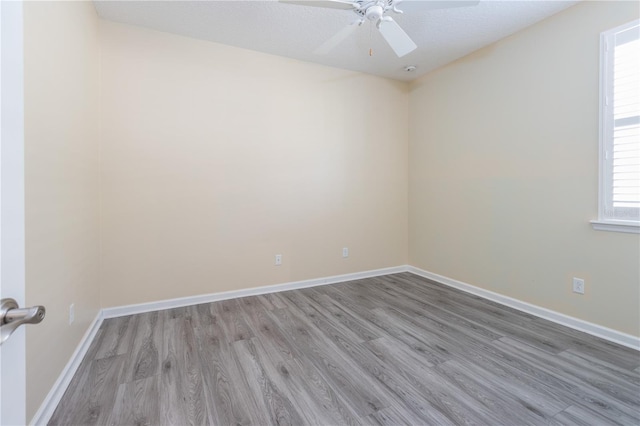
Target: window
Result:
[619, 198]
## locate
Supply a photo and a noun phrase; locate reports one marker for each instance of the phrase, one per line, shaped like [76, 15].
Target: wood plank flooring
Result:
[392, 350]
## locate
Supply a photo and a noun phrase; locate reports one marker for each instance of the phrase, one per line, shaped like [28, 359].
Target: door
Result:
[12, 254]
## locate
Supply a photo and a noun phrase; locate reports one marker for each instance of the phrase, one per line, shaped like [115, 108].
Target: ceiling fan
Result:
[377, 11]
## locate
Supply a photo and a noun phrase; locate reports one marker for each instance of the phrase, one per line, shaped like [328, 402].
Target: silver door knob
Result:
[12, 317]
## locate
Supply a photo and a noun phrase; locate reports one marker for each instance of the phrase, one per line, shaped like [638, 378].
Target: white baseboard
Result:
[562, 319]
[48, 406]
[609, 334]
[254, 291]
[50, 403]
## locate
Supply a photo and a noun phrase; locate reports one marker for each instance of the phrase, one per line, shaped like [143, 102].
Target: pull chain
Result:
[370, 37]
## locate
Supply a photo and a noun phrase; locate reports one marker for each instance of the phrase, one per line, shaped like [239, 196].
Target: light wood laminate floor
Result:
[393, 350]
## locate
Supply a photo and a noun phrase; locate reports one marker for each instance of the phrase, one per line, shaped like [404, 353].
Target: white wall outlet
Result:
[72, 314]
[345, 252]
[278, 259]
[578, 285]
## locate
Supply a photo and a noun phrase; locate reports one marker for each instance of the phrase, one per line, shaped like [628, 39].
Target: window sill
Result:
[616, 226]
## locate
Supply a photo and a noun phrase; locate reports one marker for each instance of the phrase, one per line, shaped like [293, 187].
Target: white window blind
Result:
[620, 126]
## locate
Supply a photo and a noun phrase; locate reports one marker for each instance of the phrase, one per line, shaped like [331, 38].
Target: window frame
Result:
[605, 186]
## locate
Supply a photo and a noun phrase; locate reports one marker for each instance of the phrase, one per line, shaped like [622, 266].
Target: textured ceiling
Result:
[296, 31]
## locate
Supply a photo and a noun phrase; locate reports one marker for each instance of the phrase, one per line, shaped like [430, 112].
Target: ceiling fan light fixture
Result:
[374, 13]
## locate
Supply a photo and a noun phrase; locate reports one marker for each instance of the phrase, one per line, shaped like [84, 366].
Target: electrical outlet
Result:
[345, 252]
[578, 285]
[278, 259]
[72, 314]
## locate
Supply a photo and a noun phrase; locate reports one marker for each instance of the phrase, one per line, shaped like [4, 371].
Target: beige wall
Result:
[61, 183]
[504, 172]
[215, 159]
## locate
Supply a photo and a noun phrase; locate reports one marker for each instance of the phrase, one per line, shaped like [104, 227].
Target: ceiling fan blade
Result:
[331, 4]
[399, 41]
[421, 5]
[338, 38]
